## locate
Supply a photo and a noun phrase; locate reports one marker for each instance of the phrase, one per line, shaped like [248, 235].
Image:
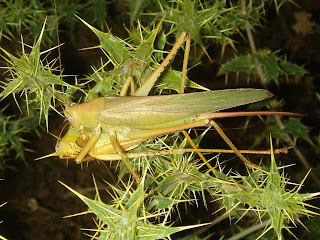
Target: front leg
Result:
[92, 141]
[119, 151]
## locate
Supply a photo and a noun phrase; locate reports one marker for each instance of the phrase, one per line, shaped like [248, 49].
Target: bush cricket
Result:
[109, 125]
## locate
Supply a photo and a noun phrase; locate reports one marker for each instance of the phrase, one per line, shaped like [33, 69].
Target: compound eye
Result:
[58, 146]
[70, 119]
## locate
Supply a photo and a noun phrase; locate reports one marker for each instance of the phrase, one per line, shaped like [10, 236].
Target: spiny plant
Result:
[12, 138]
[28, 16]
[144, 211]
[127, 217]
[33, 76]
[263, 192]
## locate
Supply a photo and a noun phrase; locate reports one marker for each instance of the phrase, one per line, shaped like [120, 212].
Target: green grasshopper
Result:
[118, 124]
[109, 125]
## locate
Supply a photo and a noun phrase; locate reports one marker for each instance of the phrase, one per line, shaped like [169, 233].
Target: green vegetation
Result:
[265, 195]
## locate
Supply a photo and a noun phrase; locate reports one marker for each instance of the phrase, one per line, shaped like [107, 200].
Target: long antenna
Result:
[58, 38]
[59, 137]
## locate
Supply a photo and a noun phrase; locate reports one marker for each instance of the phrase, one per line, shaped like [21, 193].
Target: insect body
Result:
[134, 119]
[157, 112]
[116, 124]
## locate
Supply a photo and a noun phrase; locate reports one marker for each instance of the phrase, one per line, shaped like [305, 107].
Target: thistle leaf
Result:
[293, 126]
[114, 47]
[34, 79]
[273, 66]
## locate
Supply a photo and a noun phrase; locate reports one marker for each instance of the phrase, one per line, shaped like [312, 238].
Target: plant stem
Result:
[252, 44]
[212, 223]
[250, 230]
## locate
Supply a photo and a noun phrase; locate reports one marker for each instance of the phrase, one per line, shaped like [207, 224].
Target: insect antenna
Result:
[58, 37]
[59, 137]
[54, 153]
[109, 172]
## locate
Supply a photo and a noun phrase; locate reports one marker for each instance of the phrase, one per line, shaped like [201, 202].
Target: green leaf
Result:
[147, 231]
[162, 202]
[137, 7]
[297, 129]
[146, 47]
[136, 198]
[189, 22]
[160, 42]
[115, 47]
[3, 25]
[242, 63]
[103, 211]
[293, 127]
[272, 66]
[292, 69]
[100, 11]
[171, 79]
[12, 141]
[104, 85]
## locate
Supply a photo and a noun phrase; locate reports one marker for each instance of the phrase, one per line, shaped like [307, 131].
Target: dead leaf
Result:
[303, 24]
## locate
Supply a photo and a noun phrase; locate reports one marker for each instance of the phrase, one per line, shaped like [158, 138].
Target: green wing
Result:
[153, 112]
